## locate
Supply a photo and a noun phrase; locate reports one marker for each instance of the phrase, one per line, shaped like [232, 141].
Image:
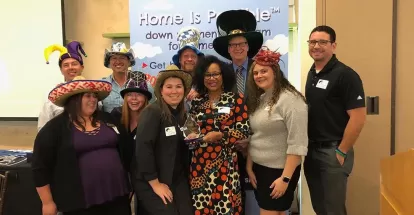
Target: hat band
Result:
[236, 31]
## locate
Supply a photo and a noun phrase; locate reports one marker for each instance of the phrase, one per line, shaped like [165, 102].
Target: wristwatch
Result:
[286, 179]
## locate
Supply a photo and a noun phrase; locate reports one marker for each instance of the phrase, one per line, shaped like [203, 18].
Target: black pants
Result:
[120, 206]
[150, 203]
[244, 180]
[327, 179]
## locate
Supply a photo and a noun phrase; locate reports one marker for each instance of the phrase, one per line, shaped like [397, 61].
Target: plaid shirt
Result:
[115, 99]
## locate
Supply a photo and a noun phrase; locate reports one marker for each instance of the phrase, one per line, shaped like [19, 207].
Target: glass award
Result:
[191, 130]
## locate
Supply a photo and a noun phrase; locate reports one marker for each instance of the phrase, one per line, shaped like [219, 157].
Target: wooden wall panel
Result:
[364, 33]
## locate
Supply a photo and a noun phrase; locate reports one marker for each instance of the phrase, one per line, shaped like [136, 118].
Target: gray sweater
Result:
[283, 132]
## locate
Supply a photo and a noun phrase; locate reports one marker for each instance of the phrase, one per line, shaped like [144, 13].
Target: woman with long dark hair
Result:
[80, 161]
[161, 176]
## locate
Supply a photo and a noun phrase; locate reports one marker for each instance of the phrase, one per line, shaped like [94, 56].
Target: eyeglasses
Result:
[211, 75]
[320, 42]
[234, 45]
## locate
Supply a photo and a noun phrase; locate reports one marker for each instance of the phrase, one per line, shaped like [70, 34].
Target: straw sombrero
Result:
[60, 94]
[173, 71]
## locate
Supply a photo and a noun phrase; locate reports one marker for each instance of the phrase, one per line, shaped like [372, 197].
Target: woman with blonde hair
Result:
[278, 119]
[136, 97]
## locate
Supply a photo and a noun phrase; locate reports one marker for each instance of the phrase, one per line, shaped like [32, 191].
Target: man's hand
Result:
[340, 159]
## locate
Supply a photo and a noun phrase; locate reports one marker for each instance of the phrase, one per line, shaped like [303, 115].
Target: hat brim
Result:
[108, 55]
[162, 75]
[60, 94]
[176, 57]
[137, 90]
[254, 39]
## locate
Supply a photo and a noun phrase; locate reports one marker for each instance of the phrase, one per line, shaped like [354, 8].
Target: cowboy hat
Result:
[137, 83]
[60, 94]
[119, 48]
[189, 39]
[235, 23]
[173, 71]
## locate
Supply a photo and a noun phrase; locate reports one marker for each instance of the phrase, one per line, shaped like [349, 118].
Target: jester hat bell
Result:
[72, 50]
[189, 38]
[235, 23]
[118, 48]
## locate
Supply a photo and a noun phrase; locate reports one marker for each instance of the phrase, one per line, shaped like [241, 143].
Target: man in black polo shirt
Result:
[337, 114]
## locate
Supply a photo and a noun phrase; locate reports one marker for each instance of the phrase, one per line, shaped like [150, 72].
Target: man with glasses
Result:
[239, 42]
[188, 55]
[336, 99]
[119, 59]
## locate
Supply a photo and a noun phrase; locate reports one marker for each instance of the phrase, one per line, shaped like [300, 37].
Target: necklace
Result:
[214, 102]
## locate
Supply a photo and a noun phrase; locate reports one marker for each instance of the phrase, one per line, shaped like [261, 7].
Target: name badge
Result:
[225, 110]
[115, 129]
[322, 84]
[170, 131]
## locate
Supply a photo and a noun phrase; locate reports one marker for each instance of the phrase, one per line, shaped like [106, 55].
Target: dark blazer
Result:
[155, 152]
[155, 158]
[55, 161]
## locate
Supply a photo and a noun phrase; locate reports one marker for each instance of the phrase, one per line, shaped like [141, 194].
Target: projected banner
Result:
[25, 78]
[156, 23]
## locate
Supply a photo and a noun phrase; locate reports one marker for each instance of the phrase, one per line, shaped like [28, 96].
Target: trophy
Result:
[191, 131]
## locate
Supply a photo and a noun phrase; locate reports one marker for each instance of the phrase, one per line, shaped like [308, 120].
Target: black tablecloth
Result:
[21, 196]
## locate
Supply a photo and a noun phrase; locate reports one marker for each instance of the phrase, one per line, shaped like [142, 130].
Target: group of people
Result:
[103, 142]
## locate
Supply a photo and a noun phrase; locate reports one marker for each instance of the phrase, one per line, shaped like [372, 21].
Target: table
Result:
[21, 196]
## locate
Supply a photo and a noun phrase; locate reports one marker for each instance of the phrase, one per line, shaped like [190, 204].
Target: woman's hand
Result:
[191, 136]
[213, 136]
[49, 208]
[163, 191]
[279, 188]
[252, 176]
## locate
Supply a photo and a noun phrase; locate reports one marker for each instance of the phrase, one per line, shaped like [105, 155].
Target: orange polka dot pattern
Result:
[214, 170]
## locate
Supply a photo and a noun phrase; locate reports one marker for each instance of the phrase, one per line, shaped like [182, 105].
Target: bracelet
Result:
[340, 152]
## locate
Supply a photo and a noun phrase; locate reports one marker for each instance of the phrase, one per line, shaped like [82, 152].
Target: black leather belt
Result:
[323, 144]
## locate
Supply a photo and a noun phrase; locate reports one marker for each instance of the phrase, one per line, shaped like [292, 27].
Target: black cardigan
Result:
[55, 160]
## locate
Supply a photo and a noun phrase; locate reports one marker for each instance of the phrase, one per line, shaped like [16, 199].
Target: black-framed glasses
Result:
[211, 75]
[234, 45]
[320, 42]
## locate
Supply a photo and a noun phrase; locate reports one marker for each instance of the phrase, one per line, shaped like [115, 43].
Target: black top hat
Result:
[234, 23]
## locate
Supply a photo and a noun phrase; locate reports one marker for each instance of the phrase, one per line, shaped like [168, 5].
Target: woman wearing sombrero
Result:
[80, 159]
[162, 157]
